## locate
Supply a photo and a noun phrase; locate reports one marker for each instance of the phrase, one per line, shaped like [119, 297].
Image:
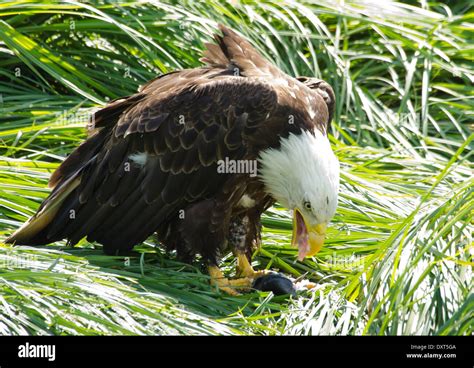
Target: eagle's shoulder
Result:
[199, 98]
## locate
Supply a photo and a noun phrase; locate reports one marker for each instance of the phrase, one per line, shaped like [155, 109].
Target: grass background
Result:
[398, 258]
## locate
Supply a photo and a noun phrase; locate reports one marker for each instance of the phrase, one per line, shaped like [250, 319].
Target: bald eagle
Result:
[196, 156]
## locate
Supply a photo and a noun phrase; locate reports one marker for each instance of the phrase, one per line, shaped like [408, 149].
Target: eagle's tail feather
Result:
[33, 232]
[64, 180]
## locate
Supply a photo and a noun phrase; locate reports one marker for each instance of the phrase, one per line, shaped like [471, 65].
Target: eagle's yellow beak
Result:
[308, 239]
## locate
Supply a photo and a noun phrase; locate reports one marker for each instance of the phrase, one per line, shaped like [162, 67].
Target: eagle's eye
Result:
[307, 205]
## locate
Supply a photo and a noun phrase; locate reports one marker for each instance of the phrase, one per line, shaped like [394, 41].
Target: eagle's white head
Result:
[303, 175]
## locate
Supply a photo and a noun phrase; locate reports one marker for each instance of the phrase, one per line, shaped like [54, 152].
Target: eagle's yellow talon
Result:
[226, 285]
[245, 269]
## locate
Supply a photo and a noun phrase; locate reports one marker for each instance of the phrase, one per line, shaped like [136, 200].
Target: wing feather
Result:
[180, 134]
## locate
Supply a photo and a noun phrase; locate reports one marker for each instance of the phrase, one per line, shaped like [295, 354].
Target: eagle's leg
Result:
[246, 275]
[241, 242]
[226, 285]
[245, 269]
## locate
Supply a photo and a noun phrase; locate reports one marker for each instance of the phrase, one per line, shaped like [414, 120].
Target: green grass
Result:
[398, 258]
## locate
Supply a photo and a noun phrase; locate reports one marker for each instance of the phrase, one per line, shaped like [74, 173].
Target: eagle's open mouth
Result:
[308, 239]
[300, 235]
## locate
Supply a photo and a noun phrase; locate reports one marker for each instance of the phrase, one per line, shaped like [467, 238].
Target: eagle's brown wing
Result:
[235, 53]
[181, 129]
